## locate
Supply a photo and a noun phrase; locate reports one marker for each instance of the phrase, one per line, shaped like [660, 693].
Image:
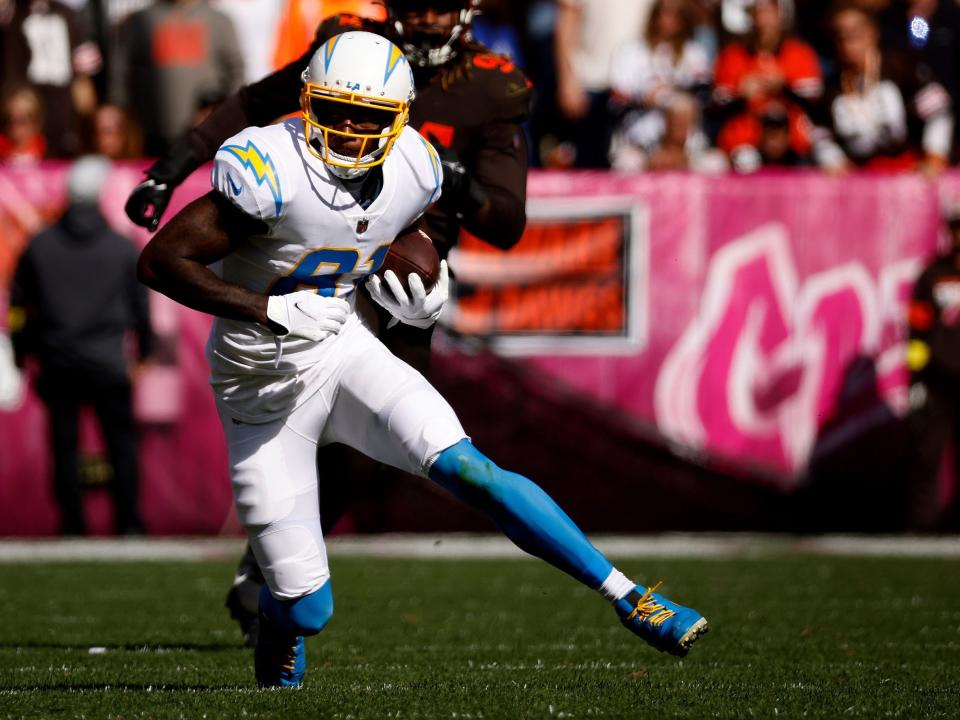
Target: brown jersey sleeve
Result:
[499, 162]
[501, 169]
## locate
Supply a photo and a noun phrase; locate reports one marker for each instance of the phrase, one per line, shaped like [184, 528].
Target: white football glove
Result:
[420, 308]
[307, 315]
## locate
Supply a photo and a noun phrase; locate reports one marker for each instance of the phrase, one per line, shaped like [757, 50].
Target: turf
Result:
[791, 637]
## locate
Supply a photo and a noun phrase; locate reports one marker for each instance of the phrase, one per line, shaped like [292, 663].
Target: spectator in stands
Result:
[299, 20]
[930, 30]
[496, 27]
[706, 29]
[647, 74]
[256, 24]
[115, 135]
[933, 357]
[774, 147]
[174, 53]
[73, 300]
[47, 46]
[683, 146]
[769, 66]
[21, 134]
[587, 32]
[880, 111]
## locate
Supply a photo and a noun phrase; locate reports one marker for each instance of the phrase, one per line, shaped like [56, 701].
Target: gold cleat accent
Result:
[649, 610]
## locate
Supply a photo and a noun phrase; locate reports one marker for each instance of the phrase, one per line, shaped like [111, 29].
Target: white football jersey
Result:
[318, 238]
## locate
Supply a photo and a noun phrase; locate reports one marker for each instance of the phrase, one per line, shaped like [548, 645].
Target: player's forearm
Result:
[500, 221]
[500, 169]
[194, 285]
[175, 262]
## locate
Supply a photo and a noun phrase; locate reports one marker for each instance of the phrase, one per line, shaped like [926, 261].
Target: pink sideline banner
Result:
[184, 485]
[745, 299]
[757, 293]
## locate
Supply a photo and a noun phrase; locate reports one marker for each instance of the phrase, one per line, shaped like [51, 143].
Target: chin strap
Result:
[340, 172]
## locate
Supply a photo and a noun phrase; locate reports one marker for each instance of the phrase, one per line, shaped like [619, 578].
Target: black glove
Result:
[149, 199]
[147, 202]
[462, 195]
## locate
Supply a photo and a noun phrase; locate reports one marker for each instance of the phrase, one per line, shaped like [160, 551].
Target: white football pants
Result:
[373, 402]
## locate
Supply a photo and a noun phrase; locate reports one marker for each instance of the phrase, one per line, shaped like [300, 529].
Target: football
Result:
[413, 252]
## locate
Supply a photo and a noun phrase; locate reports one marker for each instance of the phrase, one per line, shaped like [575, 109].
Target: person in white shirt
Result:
[587, 33]
[648, 74]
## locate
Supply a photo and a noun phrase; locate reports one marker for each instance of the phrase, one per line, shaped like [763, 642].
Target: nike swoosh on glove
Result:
[420, 308]
[307, 315]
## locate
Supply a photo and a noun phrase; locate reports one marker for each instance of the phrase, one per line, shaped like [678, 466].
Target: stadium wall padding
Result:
[726, 352]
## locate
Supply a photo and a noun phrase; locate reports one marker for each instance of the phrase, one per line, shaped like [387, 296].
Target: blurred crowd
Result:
[704, 85]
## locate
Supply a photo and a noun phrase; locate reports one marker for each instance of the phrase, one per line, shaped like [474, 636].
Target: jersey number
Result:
[322, 268]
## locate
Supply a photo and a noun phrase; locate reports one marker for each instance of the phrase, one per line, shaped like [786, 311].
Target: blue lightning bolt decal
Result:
[328, 49]
[394, 56]
[262, 167]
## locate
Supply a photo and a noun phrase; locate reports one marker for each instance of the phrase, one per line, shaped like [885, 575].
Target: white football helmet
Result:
[363, 77]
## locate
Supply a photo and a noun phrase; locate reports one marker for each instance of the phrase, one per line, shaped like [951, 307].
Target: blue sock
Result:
[306, 615]
[525, 513]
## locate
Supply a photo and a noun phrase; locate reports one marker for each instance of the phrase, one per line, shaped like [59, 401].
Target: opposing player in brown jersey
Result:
[469, 103]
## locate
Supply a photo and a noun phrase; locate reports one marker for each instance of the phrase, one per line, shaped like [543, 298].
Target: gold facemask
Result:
[370, 142]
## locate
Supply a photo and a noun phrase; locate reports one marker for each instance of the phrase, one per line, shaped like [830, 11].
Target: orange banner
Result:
[569, 277]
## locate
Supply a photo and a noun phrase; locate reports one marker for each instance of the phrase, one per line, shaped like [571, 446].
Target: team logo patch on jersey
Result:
[394, 56]
[262, 167]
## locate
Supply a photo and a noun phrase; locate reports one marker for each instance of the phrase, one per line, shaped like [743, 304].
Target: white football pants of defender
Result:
[375, 403]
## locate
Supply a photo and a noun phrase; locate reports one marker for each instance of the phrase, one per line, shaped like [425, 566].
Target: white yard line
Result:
[489, 547]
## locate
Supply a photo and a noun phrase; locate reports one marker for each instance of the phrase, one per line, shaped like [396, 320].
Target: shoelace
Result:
[291, 656]
[649, 610]
[286, 655]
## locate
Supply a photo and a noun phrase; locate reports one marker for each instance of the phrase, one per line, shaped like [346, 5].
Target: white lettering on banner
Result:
[556, 291]
[760, 367]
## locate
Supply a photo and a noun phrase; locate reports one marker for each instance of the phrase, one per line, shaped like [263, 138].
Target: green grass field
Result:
[794, 636]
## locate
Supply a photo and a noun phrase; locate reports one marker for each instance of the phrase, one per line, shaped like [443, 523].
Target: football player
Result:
[301, 213]
[470, 105]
